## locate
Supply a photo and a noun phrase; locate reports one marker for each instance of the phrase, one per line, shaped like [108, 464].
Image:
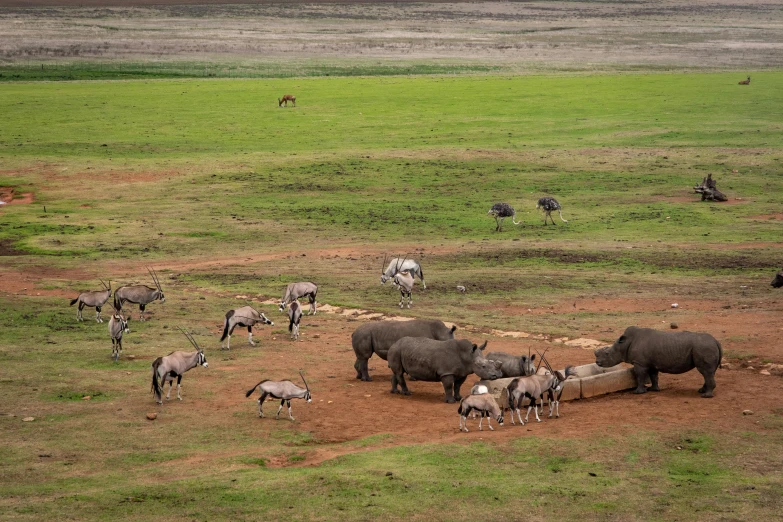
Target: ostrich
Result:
[501, 211]
[549, 205]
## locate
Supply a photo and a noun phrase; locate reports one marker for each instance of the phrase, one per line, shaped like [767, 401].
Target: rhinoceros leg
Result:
[654, 380]
[641, 378]
[709, 383]
[448, 387]
[457, 385]
[362, 371]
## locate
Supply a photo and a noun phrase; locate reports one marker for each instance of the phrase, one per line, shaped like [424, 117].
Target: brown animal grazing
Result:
[745, 82]
[285, 99]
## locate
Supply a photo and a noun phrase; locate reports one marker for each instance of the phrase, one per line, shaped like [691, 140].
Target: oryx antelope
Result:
[141, 295]
[519, 388]
[117, 326]
[296, 291]
[552, 385]
[294, 316]
[174, 365]
[549, 205]
[483, 403]
[93, 299]
[501, 211]
[408, 265]
[283, 390]
[404, 281]
[245, 316]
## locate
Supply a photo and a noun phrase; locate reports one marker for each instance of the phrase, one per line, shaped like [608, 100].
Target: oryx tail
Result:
[251, 390]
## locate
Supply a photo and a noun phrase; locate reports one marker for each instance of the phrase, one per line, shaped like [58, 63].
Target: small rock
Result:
[673, 326]
[28, 419]
[726, 366]
[316, 336]
[765, 372]
[87, 397]
[241, 297]
[750, 368]
[367, 395]
[152, 416]
[747, 412]
[675, 305]
[389, 473]
[329, 402]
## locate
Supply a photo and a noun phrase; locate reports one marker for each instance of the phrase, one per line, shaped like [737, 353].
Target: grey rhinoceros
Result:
[652, 351]
[449, 362]
[378, 336]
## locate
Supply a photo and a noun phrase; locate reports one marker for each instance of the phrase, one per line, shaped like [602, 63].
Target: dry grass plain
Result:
[517, 36]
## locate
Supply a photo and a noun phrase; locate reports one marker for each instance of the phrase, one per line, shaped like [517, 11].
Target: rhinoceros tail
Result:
[720, 353]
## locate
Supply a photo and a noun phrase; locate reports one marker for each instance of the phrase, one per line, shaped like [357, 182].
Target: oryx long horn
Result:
[303, 379]
[542, 359]
[104, 284]
[154, 278]
[383, 266]
[546, 363]
[190, 338]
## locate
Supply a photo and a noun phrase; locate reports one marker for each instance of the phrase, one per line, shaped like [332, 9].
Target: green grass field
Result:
[185, 171]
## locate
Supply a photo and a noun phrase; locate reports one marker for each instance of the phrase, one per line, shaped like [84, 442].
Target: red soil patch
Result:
[772, 217]
[8, 196]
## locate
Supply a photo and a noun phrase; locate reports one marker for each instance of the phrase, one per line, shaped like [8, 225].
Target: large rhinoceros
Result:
[652, 351]
[378, 336]
[449, 362]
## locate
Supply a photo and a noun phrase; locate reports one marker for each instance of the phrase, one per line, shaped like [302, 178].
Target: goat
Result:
[521, 387]
[139, 294]
[404, 281]
[483, 403]
[283, 390]
[245, 316]
[93, 299]
[294, 316]
[285, 99]
[174, 365]
[117, 326]
[745, 82]
[295, 291]
[549, 205]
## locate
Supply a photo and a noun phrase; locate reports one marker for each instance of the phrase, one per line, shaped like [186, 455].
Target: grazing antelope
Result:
[174, 365]
[283, 390]
[395, 266]
[745, 82]
[295, 291]
[404, 281]
[139, 294]
[245, 316]
[285, 99]
[93, 299]
[549, 205]
[117, 326]
[485, 404]
[294, 316]
[501, 211]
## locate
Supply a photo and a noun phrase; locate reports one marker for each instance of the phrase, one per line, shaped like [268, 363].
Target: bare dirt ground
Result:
[750, 339]
[521, 35]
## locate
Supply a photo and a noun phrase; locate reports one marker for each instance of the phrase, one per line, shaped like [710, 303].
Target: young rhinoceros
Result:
[652, 351]
[378, 336]
[449, 362]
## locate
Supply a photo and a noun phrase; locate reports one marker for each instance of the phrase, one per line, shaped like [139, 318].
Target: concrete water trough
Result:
[590, 380]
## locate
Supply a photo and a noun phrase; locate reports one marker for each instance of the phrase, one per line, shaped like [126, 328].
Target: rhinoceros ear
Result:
[481, 348]
[533, 357]
[454, 328]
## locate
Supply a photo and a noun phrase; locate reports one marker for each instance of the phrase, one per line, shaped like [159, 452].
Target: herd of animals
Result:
[424, 350]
